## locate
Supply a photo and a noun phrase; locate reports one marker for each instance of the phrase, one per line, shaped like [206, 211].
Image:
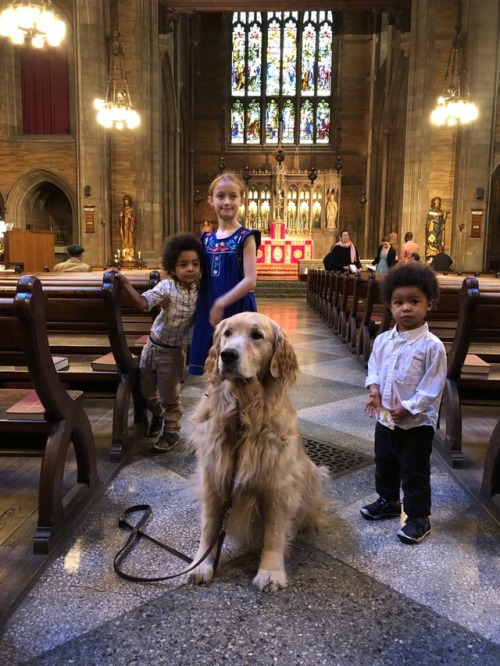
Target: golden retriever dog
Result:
[248, 446]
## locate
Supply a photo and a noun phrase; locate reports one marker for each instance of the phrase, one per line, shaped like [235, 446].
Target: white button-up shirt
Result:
[410, 368]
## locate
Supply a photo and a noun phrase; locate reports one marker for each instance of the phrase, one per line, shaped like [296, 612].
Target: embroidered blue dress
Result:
[223, 270]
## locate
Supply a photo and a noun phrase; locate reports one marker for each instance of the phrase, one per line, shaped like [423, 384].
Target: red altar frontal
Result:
[279, 255]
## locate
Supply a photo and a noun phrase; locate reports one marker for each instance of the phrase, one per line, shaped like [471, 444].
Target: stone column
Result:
[474, 145]
[93, 141]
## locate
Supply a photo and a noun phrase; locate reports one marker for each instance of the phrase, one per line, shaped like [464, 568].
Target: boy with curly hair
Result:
[406, 378]
[163, 360]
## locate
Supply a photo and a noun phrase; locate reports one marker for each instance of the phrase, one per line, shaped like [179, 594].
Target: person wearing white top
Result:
[406, 378]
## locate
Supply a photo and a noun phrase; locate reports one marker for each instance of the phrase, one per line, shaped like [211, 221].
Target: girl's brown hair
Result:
[226, 176]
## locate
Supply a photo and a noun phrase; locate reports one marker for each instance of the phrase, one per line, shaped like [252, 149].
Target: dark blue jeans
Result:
[403, 459]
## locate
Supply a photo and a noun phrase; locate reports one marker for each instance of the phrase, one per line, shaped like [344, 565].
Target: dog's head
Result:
[250, 345]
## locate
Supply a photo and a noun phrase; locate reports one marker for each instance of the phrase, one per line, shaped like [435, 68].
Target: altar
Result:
[279, 255]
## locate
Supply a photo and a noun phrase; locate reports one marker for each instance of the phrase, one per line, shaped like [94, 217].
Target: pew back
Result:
[51, 432]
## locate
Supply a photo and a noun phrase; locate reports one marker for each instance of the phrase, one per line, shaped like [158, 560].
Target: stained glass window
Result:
[281, 77]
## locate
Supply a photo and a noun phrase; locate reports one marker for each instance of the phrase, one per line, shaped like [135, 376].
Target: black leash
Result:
[137, 531]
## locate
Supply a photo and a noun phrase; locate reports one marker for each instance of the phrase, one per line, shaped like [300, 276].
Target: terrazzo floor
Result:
[356, 594]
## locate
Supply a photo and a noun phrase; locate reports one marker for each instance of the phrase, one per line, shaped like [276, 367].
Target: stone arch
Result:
[43, 200]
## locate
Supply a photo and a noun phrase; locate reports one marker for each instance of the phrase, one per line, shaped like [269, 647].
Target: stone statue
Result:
[435, 222]
[331, 211]
[127, 223]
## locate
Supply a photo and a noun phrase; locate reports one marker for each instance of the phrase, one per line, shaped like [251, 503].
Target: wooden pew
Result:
[333, 296]
[442, 319]
[491, 473]
[357, 309]
[376, 318]
[312, 287]
[326, 295]
[51, 433]
[477, 332]
[322, 292]
[136, 323]
[85, 322]
[336, 300]
[349, 292]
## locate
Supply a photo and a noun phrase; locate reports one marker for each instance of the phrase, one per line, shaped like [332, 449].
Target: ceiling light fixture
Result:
[454, 106]
[32, 20]
[117, 110]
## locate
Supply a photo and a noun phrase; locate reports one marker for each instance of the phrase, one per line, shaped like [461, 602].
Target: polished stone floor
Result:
[356, 594]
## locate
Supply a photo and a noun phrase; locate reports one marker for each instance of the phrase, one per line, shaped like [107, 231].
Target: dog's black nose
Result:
[229, 355]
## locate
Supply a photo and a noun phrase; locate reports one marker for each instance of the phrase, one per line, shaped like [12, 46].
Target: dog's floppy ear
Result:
[211, 368]
[284, 362]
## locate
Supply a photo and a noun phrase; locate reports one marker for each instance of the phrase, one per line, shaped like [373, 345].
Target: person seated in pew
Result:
[343, 256]
[386, 256]
[441, 261]
[162, 363]
[74, 264]
[328, 259]
[414, 257]
[407, 248]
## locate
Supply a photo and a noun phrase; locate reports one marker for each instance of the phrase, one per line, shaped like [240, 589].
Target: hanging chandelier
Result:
[117, 110]
[32, 20]
[454, 105]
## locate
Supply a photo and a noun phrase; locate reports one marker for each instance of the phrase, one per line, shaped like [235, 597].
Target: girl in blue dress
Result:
[230, 272]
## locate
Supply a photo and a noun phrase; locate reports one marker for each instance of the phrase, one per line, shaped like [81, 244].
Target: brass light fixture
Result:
[453, 106]
[117, 110]
[313, 174]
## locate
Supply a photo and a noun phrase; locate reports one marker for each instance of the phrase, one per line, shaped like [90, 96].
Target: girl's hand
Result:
[216, 313]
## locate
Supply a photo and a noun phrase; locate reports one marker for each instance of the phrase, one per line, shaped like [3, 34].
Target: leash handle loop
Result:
[137, 532]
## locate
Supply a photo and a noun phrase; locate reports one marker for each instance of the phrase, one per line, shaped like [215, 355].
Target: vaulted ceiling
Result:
[280, 5]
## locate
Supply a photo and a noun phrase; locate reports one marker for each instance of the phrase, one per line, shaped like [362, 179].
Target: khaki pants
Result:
[161, 374]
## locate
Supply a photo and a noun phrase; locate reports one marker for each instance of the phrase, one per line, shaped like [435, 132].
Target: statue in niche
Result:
[435, 222]
[127, 223]
[331, 211]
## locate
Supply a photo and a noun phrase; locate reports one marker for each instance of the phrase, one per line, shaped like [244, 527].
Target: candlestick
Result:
[139, 255]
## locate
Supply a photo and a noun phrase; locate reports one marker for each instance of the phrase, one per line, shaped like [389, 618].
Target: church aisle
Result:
[356, 594]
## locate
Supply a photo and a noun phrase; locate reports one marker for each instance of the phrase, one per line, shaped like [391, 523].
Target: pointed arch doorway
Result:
[43, 201]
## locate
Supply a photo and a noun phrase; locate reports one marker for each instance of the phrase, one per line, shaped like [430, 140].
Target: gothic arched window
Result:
[281, 77]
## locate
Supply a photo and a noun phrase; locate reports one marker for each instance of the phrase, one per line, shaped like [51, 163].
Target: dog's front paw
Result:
[270, 581]
[202, 574]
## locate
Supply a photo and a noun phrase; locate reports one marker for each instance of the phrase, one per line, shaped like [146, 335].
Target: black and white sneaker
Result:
[414, 530]
[381, 509]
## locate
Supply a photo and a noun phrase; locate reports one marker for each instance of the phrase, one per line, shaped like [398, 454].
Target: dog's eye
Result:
[256, 335]
[227, 333]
